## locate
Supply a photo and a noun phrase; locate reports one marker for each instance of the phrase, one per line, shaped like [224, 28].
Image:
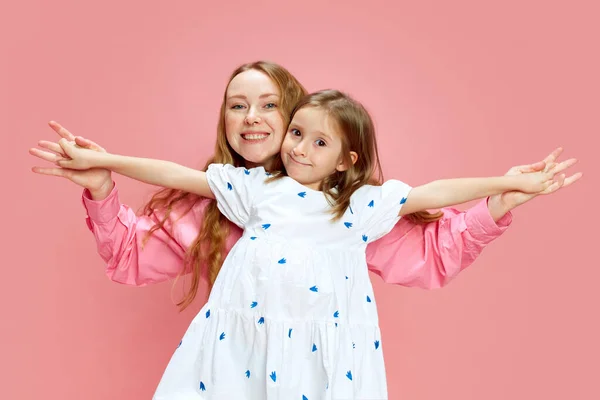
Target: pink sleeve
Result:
[428, 256]
[132, 259]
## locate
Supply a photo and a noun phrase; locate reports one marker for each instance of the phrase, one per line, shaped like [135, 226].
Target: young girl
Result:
[292, 313]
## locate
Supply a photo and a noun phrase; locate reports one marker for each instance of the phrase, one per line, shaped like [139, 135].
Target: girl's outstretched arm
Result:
[155, 172]
[448, 192]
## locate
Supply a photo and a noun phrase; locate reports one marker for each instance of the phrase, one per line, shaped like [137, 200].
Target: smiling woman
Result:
[254, 124]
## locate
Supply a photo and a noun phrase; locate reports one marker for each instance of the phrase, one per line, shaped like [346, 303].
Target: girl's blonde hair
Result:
[353, 120]
[209, 246]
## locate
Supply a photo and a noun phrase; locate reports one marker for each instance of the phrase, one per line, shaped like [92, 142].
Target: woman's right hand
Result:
[97, 180]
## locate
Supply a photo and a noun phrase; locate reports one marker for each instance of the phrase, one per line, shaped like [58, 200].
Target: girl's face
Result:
[254, 125]
[312, 148]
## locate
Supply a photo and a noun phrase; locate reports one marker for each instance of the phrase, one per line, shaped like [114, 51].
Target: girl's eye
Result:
[295, 132]
[321, 143]
[270, 105]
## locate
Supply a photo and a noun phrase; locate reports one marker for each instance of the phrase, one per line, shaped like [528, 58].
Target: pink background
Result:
[456, 88]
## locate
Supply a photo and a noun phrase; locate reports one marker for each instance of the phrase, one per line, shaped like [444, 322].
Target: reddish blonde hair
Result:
[209, 246]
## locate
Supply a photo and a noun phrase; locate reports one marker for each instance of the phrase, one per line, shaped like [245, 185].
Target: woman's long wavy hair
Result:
[358, 134]
[205, 255]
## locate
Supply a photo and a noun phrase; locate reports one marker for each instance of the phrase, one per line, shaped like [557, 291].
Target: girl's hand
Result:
[500, 204]
[534, 182]
[97, 180]
[77, 157]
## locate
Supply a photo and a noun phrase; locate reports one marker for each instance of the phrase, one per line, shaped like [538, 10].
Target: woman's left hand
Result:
[500, 204]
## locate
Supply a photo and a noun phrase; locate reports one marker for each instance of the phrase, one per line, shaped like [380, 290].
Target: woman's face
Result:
[254, 125]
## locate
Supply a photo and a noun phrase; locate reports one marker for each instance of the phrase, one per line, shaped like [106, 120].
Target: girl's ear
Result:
[344, 165]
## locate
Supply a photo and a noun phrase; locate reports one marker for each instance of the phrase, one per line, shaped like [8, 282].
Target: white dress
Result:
[292, 314]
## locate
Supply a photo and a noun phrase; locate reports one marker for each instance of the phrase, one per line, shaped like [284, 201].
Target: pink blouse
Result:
[425, 256]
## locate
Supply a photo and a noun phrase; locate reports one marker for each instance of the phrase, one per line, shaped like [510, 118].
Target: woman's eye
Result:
[270, 105]
[237, 107]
